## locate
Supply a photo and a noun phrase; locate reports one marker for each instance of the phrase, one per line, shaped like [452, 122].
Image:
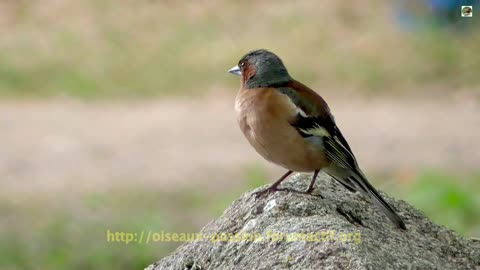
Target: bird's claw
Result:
[269, 190]
[262, 193]
[310, 192]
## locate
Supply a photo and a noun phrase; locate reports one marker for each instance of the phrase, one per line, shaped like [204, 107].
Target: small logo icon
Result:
[467, 11]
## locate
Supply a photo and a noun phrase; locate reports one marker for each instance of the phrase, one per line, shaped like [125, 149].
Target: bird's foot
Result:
[310, 192]
[272, 189]
[267, 191]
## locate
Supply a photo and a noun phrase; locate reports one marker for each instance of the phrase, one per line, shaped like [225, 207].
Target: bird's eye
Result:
[242, 64]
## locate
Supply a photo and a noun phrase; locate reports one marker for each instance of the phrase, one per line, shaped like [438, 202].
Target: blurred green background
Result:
[118, 115]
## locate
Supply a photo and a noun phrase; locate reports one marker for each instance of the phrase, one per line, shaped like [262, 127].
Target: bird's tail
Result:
[366, 187]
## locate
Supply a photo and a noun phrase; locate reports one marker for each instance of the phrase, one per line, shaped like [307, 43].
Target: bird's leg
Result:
[274, 186]
[312, 184]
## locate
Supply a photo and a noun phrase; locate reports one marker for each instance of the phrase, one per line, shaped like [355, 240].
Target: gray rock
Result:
[336, 229]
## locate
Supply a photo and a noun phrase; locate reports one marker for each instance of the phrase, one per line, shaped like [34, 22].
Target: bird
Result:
[292, 126]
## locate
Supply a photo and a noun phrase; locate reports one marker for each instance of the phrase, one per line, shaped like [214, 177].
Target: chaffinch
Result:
[291, 125]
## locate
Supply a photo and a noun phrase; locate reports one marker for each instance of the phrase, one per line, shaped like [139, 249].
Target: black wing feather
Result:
[305, 123]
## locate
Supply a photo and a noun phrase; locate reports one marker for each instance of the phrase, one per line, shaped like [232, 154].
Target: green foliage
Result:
[45, 234]
[451, 200]
[103, 49]
[63, 232]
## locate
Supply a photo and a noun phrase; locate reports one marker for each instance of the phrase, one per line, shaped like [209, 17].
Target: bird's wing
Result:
[335, 146]
[316, 124]
[316, 119]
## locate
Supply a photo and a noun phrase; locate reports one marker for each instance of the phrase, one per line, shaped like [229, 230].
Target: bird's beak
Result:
[235, 71]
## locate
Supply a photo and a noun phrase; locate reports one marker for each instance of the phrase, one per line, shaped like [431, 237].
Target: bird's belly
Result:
[278, 142]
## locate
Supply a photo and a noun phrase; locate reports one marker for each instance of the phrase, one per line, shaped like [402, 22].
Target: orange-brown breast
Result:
[264, 116]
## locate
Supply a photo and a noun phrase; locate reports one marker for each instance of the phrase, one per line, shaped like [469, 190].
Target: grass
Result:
[69, 231]
[104, 49]
[448, 199]
[40, 233]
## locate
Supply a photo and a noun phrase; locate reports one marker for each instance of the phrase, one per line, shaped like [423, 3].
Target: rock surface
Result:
[335, 229]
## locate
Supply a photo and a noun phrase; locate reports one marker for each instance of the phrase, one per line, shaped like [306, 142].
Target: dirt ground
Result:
[65, 145]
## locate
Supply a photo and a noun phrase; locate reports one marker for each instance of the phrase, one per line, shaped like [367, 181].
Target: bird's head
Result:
[261, 68]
